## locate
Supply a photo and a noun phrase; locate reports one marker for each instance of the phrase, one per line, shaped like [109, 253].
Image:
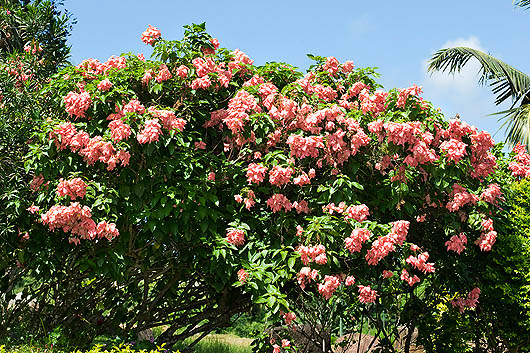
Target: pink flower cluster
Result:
[491, 193]
[134, 106]
[91, 68]
[331, 65]
[288, 317]
[330, 208]
[457, 243]
[205, 66]
[454, 148]
[91, 149]
[74, 188]
[150, 132]
[119, 130]
[278, 201]
[36, 182]
[411, 280]
[382, 246]
[239, 60]
[238, 106]
[330, 285]
[163, 74]
[305, 276]
[355, 241]
[256, 173]
[242, 275]
[488, 238]
[280, 176]
[315, 253]
[375, 103]
[521, 166]
[420, 262]
[107, 230]
[302, 147]
[168, 118]
[150, 35]
[76, 104]
[235, 236]
[470, 301]
[357, 212]
[75, 219]
[459, 198]
[367, 294]
[404, 93]
[105, 85]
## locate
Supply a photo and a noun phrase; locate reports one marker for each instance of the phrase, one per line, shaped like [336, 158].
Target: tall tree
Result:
[506, 83]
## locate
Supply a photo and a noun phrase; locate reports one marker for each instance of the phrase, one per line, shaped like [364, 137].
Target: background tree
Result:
[32, 47]
[506, 83]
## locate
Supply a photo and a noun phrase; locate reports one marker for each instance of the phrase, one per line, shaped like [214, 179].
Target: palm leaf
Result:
[504, 80]
[517, 124]
[522, 3]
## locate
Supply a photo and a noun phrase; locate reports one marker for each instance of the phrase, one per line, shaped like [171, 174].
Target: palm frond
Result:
[517, 123]
[505, 81]
[522, 3]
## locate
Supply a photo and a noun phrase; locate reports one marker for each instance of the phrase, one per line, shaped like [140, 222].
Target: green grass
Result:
[219, 343]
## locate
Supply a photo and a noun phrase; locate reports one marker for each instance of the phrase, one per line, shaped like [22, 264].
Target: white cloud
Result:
[462, 83]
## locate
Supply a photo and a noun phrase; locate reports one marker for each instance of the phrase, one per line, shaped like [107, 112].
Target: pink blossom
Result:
[211, 176]
[280, 176]
[289, 317]
[315, 253]
[420, 262]
[74, 188]
[457, 243]
[411, 280]
[330, 285]
[357, 212]
[347, 66]
[486, 240]
[387, 274]
[150, 132]
[331, 65]
[242, 275]
[455, 149]
[278, 201]
[491, 193]
[299, 231]
[238, 198]
[256, 173]
[200, 145]
[235, 236]
[134, 106]
[350, 281]
[305, 276]
[163, 74]
[119, 130]
[105, 85]
[301, 207]
[367, 294]
[76, 104]
[33, 209]
[150, 35]
[355, 241]
[107, 230]
[470, 301]
[182, 71]
[285, 343]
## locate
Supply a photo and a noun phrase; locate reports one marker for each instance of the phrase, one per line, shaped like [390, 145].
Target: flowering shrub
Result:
[217, 183]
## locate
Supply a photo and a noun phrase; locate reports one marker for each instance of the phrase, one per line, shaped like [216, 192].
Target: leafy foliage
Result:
[205, 185]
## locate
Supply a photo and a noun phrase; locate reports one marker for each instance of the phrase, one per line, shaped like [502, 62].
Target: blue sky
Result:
[397, 37]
